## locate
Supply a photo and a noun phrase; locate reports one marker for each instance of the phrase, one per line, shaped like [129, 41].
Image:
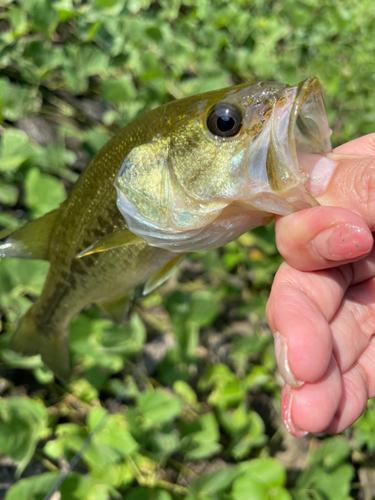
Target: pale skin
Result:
[322, 302]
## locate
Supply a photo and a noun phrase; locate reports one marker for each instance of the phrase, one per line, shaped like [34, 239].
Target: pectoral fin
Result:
[31, 241]
[117, 308]
[162, 274]
[117, 239]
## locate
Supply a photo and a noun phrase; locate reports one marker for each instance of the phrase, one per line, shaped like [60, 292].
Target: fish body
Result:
[190, 175]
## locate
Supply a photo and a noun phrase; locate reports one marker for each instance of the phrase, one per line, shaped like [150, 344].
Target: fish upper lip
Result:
[304, 89]
[314, 112]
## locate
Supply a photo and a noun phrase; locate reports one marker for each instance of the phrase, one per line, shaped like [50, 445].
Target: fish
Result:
[191, 175]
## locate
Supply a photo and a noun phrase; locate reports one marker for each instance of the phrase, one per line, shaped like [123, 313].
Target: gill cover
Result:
[228, 166]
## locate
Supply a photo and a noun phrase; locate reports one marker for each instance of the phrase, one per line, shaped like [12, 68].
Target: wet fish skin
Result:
[79, 276]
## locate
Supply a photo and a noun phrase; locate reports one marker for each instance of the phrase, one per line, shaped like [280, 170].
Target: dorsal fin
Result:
[162, 274]
[117, 239]
[30, 241]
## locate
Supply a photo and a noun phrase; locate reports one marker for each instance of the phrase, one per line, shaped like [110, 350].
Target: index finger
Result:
[352, 183]
[325, 237]
[363, 146]
[322, 237]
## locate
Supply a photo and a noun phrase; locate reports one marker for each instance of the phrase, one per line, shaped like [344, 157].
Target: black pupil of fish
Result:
[225, 123]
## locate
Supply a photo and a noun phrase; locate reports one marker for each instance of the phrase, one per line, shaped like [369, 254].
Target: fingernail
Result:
[281, 352]
[343, 242]
[319, 170]
[286, 412]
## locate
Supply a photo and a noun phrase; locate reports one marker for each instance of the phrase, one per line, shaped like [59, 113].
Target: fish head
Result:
[222, 163]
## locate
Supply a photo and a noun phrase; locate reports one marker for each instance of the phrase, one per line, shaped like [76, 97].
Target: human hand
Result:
[322, 305]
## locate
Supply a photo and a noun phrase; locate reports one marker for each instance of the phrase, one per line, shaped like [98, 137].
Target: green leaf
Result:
[200, 437]
[43, 193]
[164, 444]
[184, 390]
[83, 390]
[204, 308]
[227, 394]
[23, 423]
[65, 9]
[8, 194]
[33, 488]
[126, 339]
[332, 452]
[54, 158]
[267, 471]
[253, 437]
[14, 360]
[17, 101]
[336, 485]
[363, 434]
[158, 407]
[9, 221]
[328, 474]
[263, 478]
[21, 276]
[147, 494]
[114, 433]
[69, 438]
[216, 482]
[84, 487]
[44, 17]
[18, 21]
[246, 488]
[119, 90]
[43, 374]
[107, 4]
[94, 62]
[14, 149]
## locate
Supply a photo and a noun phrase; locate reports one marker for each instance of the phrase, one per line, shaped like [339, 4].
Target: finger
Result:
[354, 324]
[320, 167]
[353, 401]
[363, 269]
[301, 306]
[362, 146]
[299, 309]
[358, 386]
[358, 383]
[312, 407]
[352, 185]
[322, 237]
[367, 363]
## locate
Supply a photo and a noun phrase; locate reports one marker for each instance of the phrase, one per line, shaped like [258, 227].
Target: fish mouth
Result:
[309, 131]
[298, 125]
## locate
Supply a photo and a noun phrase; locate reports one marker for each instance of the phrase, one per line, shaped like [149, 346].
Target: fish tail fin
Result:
[53, 348]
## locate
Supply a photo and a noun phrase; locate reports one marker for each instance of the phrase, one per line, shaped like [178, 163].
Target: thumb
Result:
[352, 182]
[352, 186]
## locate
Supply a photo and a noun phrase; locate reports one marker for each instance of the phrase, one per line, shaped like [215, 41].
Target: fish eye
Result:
[224, 120]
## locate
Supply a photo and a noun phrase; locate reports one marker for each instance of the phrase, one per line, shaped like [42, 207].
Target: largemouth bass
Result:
[191, 175]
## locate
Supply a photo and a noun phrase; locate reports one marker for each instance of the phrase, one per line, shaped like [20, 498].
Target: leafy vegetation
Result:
[190, 382]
